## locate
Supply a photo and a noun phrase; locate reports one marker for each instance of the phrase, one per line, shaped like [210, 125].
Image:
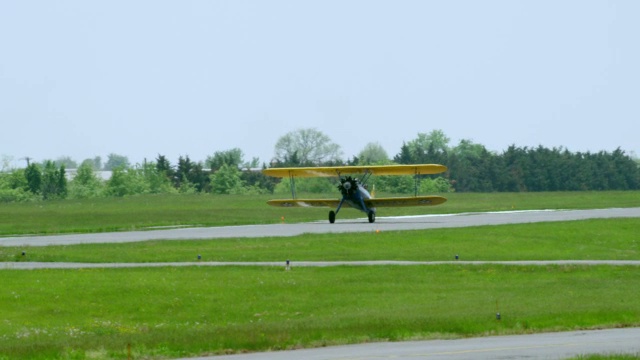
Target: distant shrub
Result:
[16, 195]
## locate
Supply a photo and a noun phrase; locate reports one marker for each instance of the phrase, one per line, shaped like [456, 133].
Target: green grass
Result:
[175, 312]
[598, 239]
[142, 212]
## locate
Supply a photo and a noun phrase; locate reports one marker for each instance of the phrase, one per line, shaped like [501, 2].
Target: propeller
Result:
[348, 186]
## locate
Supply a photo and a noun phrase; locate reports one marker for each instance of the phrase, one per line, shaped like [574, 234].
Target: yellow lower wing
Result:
[304, 203]
[371, 203]
[406, 201]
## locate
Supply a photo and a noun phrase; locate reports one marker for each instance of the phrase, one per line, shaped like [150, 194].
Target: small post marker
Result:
[282, 219]
[24, 253]
[498, 317]
[457, 257]
[199, 257]
[288, 265]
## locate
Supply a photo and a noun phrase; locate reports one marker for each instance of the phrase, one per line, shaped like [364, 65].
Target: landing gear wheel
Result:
[332, 216]
[372, 216]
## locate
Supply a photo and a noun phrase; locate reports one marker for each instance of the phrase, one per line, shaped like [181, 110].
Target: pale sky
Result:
[141, 78]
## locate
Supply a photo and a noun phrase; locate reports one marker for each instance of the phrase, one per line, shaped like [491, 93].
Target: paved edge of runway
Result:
[422, 222]
[552, 345]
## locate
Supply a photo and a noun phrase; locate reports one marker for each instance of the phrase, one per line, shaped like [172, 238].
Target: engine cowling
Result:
[348, 186]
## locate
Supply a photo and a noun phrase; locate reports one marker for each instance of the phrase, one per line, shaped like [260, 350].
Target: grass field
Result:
[176, 312]
[163, 313]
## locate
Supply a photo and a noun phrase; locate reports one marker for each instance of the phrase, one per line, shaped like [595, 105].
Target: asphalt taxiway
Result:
[561, 345]
[345, 226]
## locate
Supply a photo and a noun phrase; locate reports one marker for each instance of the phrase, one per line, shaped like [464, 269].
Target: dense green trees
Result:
[116, 161]
[14, 186]
[233, 157]
[37, 181]
[471, 168]
[54, 181]
[373, 153]
[86, 183]
[33, 175]
[307, 147]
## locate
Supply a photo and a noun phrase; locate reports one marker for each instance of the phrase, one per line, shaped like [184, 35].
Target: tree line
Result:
[471, 168]
[49, 180]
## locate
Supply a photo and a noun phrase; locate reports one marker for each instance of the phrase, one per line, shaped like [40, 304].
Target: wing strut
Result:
[292, 183]
[365, 177]
[416, 182]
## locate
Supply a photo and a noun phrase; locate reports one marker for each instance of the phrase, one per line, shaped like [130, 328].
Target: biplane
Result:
[354, 190]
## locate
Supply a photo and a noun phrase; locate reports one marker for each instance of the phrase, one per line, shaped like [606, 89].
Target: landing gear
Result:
[332, 216]
[372, 216]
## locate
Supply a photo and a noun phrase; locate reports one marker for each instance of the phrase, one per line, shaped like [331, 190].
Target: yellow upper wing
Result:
[371, 203]
[422, 169]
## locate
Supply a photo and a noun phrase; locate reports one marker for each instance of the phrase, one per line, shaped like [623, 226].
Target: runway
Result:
[344, 226]
[560, 345]
[537, 346]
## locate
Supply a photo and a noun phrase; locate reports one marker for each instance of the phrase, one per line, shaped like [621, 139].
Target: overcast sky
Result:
[142, 78]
